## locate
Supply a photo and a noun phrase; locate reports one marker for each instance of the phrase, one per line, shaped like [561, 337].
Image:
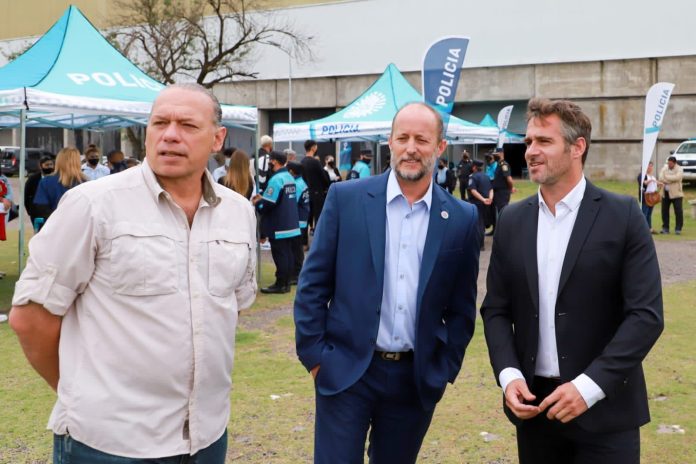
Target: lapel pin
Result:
[444, 214]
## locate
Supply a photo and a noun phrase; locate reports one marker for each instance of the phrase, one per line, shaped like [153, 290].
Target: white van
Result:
[686, 158]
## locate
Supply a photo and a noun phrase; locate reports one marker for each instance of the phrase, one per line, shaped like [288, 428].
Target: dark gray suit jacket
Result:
[609, 306]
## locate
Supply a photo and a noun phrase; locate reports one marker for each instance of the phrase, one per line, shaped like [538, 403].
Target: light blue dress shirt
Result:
[407, 227]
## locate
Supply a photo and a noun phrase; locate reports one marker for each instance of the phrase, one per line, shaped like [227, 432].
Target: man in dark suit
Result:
[574, 304]
[385, 305]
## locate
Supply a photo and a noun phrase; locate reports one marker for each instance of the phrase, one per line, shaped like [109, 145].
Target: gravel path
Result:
[677, 264]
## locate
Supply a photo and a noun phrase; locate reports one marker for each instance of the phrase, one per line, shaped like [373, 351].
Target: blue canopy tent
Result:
[369, 117]
[508, 137]
[73, 78]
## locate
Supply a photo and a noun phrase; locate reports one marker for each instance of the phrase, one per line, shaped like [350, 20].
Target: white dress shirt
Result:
[407, 227]
[149, 309]
[94, 173]
[553, 235]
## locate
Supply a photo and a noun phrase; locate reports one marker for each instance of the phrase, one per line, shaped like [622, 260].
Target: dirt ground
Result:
[677, 264]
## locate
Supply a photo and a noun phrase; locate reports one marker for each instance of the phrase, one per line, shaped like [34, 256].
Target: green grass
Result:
[280, 430]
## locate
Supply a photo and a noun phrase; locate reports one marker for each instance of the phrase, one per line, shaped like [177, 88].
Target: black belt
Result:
[395, 355]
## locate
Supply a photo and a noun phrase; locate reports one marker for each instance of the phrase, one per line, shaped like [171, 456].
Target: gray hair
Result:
[265, 140]
[195, 87]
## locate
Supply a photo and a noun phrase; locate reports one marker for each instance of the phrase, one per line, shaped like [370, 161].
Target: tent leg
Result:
[22, 169]
[378, 157]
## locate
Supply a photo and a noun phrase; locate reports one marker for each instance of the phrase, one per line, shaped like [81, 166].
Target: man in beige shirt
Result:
[671, 175]
[128, 305]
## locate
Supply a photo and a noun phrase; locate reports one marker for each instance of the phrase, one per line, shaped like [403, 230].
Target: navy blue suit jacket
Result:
[337, 305]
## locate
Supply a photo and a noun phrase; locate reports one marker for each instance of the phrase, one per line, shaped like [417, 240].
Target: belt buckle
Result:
[390, 356]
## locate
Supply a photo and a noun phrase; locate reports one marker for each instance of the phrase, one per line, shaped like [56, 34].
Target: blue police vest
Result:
[279, 207]
[302, 201]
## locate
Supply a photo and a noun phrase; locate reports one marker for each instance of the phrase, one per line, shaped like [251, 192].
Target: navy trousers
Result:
[281, 251]
[385, 403]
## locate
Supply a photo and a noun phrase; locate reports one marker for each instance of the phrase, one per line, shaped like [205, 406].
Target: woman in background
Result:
[68, 173]
[331, 169]
[649, 185]
[238, 177]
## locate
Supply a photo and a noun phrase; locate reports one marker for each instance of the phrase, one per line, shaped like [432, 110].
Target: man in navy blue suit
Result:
[386, 300]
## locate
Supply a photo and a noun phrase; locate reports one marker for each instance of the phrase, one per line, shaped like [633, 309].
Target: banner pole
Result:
[22, 168]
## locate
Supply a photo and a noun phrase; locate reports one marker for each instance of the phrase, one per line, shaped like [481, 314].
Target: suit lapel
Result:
[583, 224]
[529, 229]
[437, 224]
[376, 217]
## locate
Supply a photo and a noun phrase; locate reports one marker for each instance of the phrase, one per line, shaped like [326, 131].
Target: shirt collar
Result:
[572, 200]
[156, 189]
[394, 190]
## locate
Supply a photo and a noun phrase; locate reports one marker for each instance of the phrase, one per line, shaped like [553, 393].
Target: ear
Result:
[578, 148]
[219, 138]
[441, 147]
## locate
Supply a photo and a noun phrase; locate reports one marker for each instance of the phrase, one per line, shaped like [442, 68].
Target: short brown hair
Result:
[574, 123]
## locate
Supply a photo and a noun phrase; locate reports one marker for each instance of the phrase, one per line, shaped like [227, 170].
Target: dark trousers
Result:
[501, 198]
[66, 450]
[647, 212]
[281, 251]
[482, 212]
[540, 440]
[462, 190]
[678, 213]
[316, 204]
[297, 255]
[385, 402]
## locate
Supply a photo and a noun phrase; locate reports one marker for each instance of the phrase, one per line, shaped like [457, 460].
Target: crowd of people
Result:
[133, 324]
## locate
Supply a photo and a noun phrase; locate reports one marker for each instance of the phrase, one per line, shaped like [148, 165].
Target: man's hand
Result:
[7, 204]
[315, 371]
[567, 403]
[515, 394]
[256, 199]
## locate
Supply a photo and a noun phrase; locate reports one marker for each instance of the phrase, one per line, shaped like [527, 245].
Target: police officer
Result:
[502, 186]
[361, 168]
[464, 169]
[299, 242]
[480, 194]
[280, 220]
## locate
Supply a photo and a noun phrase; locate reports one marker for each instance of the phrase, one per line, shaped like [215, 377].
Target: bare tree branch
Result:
[174, 40]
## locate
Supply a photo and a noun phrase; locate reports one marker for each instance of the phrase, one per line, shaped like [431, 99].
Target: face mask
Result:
[93, 161]
[227, 162]
[47, 170]
[367, 161]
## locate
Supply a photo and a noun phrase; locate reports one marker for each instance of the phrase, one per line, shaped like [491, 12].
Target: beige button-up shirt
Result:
[149, 310]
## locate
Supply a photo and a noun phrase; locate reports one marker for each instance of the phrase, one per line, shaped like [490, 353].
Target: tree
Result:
[206, 41]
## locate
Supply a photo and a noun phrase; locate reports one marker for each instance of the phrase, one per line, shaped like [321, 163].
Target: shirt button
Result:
[401, 307]
[396, 338]
[404, 246]
[401, 276]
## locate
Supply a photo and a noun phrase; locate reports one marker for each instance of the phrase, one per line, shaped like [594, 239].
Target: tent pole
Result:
[378, 156]
[22, 169]
[256, 181]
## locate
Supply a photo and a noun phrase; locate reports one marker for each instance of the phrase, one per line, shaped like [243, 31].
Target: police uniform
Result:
[480, 182]
[360, 170]
[302, 196]
[500, 185]
[501, 197]
[278, 207]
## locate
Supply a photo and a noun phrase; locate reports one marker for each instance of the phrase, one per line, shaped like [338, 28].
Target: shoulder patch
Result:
[269, 190]
[505, 167]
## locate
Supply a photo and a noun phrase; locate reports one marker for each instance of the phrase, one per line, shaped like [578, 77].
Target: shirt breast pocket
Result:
[228, 257]
[143, 260]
